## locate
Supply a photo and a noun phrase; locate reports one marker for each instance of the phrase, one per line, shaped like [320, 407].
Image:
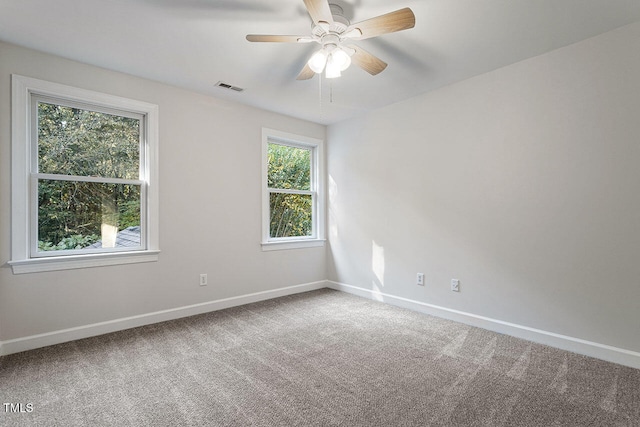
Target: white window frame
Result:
[26, 91]
[316, 146]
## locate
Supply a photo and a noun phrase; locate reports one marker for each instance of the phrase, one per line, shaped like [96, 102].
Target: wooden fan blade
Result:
[368, 62]
[399, 20]
[306, 73]
[319, 11]
[273, 38]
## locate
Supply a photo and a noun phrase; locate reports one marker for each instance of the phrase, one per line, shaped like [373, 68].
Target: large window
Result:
[84, 165]
[293, 203]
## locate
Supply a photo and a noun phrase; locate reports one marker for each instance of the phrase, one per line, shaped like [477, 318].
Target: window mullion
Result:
[291, 191]
[82, 178]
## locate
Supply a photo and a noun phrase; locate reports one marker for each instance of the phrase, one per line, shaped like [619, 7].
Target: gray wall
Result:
[523, 183]
[210, 204]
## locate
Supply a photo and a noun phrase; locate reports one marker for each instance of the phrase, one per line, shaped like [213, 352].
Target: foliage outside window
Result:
[290, 196]
[84, 178]
[293, 203]
[88, 177]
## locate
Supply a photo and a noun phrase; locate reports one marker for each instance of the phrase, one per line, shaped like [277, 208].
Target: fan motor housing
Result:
[340, 23]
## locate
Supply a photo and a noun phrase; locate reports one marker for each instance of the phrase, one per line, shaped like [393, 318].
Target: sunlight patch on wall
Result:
[377, 265]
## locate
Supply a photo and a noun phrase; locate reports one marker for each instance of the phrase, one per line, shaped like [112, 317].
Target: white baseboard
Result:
[576, 345]
[56, 337]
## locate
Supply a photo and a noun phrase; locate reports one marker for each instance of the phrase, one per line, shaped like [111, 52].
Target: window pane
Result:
[291, 215]
[289, 167]
[85, 215]
[73, 141]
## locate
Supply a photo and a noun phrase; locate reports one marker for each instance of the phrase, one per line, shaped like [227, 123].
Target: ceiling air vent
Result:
[228, 86]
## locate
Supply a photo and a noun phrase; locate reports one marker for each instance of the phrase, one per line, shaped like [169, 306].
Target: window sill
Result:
[69, 262]
[292, 244]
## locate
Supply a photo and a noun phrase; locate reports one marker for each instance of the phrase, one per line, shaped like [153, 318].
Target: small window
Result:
[293, 202]
[83, 164]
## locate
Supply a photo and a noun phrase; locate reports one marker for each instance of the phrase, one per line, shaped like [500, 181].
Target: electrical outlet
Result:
[203, 280]
[420, 279]
[455, 285]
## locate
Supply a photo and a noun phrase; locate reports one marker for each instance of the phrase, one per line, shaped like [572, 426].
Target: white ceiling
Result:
[195, 43]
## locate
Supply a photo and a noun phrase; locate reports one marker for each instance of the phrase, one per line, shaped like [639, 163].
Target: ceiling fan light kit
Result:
[332, 59]
[318, 61]
[337, 61]
[332, 30]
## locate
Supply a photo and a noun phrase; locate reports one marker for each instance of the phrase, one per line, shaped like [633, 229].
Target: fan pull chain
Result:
[331, 92]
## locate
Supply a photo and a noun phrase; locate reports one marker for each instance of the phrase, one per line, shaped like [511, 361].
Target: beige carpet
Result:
[322, 358]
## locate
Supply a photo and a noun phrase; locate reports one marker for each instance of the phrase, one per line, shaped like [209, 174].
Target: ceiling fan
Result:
[334, 32]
